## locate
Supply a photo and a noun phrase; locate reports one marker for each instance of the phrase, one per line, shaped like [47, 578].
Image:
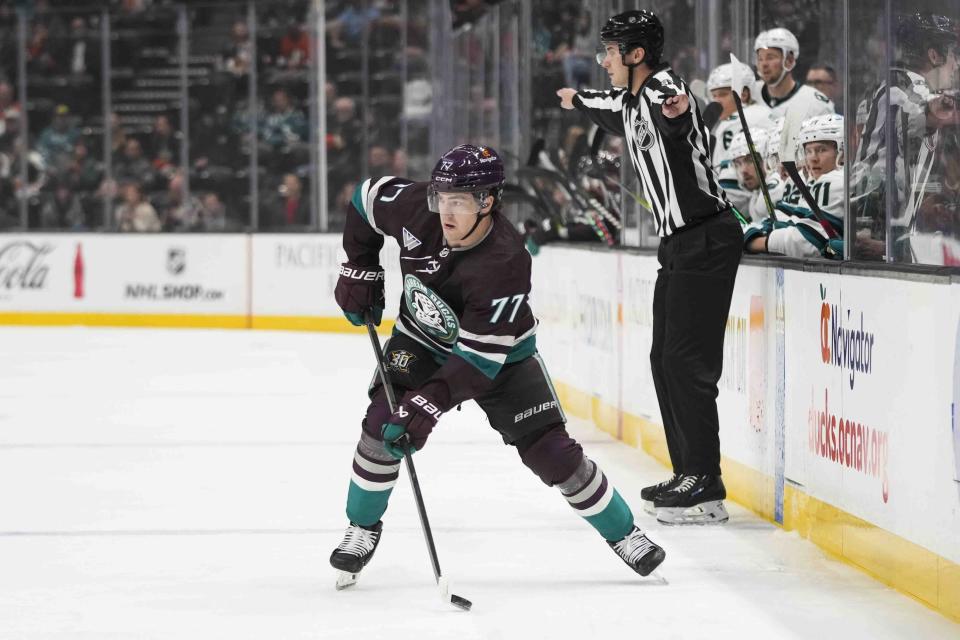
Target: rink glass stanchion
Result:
[442, 582]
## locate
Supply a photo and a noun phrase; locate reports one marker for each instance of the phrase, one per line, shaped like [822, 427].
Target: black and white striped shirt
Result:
[670, 155]
[905, 102]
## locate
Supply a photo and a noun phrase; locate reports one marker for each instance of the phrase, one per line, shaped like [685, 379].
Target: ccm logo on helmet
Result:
[357, 274]
[428, 407]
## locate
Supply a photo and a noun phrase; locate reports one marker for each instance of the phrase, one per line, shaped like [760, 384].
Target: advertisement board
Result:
[148, 274]
[870, 402]
[295, 275]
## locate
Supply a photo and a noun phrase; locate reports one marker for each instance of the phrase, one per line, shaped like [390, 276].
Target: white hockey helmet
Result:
[827, 128]
[739, 147]
[722, 76]
[772, 154]
[778, 38]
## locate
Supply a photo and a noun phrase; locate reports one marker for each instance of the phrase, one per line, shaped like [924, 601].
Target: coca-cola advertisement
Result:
[24, 266]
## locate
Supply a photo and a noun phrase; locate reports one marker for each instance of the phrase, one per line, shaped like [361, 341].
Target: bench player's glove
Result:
[359, 289]
[415, 418]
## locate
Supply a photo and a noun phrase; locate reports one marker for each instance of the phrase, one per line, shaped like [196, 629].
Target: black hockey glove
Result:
[359, 289]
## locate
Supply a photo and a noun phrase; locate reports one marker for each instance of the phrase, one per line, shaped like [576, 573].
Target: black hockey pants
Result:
[691, 300]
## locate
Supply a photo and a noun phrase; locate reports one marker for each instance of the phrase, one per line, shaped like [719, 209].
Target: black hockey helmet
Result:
[473, 169]
[918, 32]
[632, 29]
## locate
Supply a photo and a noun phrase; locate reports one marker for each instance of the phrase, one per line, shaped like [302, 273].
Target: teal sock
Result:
[375, 472]
[615, 521]
[366, 507]
[597, 502]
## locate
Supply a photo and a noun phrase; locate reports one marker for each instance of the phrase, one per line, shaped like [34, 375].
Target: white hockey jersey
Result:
[757, 207]
[807, 100]
[797, 232]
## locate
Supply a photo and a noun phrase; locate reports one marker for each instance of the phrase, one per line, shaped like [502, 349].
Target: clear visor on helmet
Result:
[601, 51]
[466, 203]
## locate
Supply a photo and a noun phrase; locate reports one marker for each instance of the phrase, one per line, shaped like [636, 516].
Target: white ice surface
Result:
[191, 484]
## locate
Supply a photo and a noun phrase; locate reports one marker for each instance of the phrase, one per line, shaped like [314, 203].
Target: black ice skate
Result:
[354, 552]
[693, 500]
[639, 552]
[649, 493]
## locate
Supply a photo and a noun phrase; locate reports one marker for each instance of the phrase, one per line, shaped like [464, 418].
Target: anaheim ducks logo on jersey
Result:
[432, 314]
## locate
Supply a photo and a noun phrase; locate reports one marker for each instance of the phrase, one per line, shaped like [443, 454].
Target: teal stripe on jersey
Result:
[615, 521]
[524, 349]
[489, 368]
[366, 507]
[357, 201]
[835, 222]
[793, 210]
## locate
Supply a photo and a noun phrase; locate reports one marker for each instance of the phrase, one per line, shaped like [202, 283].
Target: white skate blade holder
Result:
[704, 514]
[346, 579]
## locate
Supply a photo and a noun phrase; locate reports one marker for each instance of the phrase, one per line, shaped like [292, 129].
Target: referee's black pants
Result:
[691, 300]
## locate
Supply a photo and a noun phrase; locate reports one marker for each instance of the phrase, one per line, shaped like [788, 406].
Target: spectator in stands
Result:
[823, 77]
[118, 137]
[237, 59]
[40, 60]
[175, 212]
[133, 166]
[346, 132]
[9, 114]
[288, 207]
[283, 124]
[213, 216]
[60, 209]
[379, 161]
[135, 213]
[346, 30]
[294, 47]
[77, 56]
[82, 173]
[578, 62]
[164, 145]
[400, 162]
[58, 139]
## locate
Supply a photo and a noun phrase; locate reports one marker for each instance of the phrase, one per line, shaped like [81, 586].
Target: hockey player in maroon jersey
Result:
[465, 332]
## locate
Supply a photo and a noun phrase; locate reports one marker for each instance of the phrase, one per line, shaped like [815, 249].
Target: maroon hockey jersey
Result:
[468, 306]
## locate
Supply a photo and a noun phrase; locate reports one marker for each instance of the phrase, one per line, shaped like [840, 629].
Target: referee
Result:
[700, 246]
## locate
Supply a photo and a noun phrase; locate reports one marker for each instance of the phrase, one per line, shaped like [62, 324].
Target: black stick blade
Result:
[462, 603]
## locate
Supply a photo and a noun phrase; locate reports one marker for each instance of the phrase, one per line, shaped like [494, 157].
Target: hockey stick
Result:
[442, 581]
[737, 87]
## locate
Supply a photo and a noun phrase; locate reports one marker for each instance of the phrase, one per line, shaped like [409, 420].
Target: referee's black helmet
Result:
[632, 29]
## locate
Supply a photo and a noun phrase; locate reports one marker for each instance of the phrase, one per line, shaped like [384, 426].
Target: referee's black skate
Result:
[354, 552]
[649, 493]
[639, 552]
[693, 500]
